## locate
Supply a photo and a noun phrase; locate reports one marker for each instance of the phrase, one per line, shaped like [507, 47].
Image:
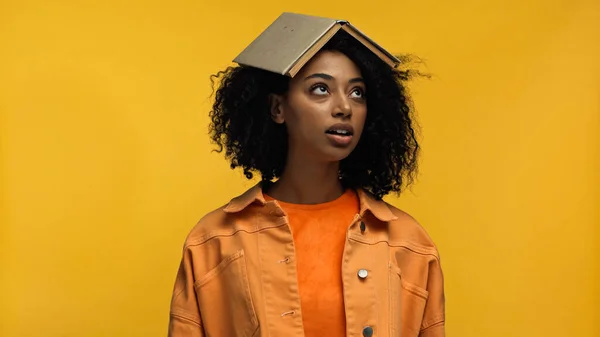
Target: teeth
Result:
[340, 132]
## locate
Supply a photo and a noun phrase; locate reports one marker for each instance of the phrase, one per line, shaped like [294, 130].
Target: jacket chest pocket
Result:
[407, 305]
[225, 301]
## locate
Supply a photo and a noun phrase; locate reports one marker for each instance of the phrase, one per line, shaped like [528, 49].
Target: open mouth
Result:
[339, 132]
[340, 135]
[340, 129]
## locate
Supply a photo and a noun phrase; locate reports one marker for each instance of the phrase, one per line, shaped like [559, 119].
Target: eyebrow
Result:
[319, 75]
[329, 78]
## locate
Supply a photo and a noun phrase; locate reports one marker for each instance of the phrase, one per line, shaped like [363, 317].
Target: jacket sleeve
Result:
[434, 316]
[185, 319]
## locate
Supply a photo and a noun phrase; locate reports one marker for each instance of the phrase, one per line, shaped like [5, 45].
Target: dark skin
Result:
[327, 95]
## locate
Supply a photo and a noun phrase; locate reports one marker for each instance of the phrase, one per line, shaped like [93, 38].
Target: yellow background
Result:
[105, 164]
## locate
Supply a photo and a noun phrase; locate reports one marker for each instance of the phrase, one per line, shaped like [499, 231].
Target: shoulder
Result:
[236, 215]
[210, 225]
[406, 230]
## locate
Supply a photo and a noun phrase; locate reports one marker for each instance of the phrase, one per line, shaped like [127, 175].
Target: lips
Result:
[341, 130]
[340, 135]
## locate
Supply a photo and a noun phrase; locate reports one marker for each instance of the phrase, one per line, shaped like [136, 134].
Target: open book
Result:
[293, 39]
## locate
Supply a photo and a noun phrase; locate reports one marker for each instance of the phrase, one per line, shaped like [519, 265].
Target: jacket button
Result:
[363, 273]
[363, 227]
[368, 331]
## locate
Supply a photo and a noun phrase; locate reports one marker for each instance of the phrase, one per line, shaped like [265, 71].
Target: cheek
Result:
[304, 120]
[298, 125]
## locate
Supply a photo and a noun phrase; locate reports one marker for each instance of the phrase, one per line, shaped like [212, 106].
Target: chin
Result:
[337, 154]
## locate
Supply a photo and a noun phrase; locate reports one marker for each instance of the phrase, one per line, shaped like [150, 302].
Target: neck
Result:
[305, 182]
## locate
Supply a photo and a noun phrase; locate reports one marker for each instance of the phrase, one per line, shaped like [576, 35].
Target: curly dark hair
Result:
[385, 159]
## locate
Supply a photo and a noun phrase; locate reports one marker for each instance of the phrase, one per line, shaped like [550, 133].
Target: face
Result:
[324, 109]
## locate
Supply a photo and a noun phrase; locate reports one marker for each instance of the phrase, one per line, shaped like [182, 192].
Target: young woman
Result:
[312, 250]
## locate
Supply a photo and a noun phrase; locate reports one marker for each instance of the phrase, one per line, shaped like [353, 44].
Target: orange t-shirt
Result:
[319, 233]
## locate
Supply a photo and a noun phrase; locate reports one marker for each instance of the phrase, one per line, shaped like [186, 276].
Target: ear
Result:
[276, 108]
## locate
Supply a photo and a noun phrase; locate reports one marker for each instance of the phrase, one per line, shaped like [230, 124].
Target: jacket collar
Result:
[368, 203]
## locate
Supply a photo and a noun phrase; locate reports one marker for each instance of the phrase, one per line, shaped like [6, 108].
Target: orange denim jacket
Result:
[238, 275]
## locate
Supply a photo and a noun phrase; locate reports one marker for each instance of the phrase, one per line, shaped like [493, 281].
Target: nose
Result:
[342, 109]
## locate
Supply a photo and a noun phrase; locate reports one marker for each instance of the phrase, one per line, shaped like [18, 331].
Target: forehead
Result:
[330, 62]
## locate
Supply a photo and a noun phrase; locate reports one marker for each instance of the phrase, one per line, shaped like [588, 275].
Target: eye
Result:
[357, 93]
[319, 89]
